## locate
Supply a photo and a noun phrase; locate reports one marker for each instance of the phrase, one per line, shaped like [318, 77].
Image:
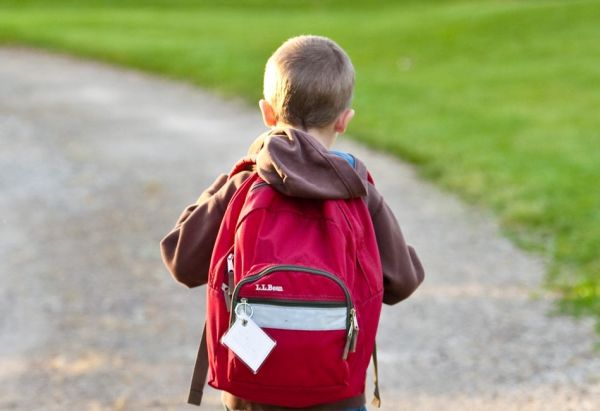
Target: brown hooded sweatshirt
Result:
[298, 165]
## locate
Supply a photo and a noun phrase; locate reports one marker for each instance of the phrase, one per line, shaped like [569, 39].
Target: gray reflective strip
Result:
[299, 318]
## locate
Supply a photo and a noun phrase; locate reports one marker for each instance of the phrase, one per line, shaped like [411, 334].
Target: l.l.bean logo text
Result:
[269, 287]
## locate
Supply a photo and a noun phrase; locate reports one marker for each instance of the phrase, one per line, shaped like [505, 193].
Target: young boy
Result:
[308, 87]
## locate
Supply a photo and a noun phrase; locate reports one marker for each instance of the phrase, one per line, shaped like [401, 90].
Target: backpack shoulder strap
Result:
[370, 177]
[200, 372]
[376, 396]
[247, 163]
[201, 368]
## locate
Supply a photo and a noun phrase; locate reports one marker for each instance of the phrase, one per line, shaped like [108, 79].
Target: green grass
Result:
[496, 100]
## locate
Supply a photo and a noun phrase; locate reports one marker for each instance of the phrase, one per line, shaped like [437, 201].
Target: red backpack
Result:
[308, 272]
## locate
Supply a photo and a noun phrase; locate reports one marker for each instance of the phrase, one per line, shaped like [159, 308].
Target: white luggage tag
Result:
[246, 339]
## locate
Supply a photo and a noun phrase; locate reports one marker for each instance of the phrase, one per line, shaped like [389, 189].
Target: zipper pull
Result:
[347, 345]
[355, 332]
[350, 338]
[228, 288]
[227, 296]
[230, 263]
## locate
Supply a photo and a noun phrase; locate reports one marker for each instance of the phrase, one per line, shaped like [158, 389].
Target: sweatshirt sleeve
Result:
[402, 269]
[187, 249]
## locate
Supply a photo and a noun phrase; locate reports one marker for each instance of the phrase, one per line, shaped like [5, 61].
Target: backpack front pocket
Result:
[313, 336]
[310, 341]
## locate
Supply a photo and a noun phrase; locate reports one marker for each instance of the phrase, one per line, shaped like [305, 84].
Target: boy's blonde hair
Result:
[309, 81]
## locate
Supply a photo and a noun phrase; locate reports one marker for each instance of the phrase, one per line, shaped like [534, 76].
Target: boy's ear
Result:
[268, 114]
[343, 120]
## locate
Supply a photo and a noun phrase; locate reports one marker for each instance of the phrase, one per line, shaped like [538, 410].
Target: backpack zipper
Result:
[294, 303]
[228, 287]
[351, 321]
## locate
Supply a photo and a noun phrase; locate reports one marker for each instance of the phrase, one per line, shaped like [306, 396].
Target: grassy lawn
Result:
[492, 99]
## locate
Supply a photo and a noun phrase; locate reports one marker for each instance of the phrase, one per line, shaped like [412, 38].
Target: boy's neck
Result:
[325, 135]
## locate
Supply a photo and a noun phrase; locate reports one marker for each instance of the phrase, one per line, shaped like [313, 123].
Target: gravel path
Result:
[96, 164]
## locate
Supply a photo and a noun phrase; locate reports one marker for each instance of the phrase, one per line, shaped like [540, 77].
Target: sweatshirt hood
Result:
[298, 165]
